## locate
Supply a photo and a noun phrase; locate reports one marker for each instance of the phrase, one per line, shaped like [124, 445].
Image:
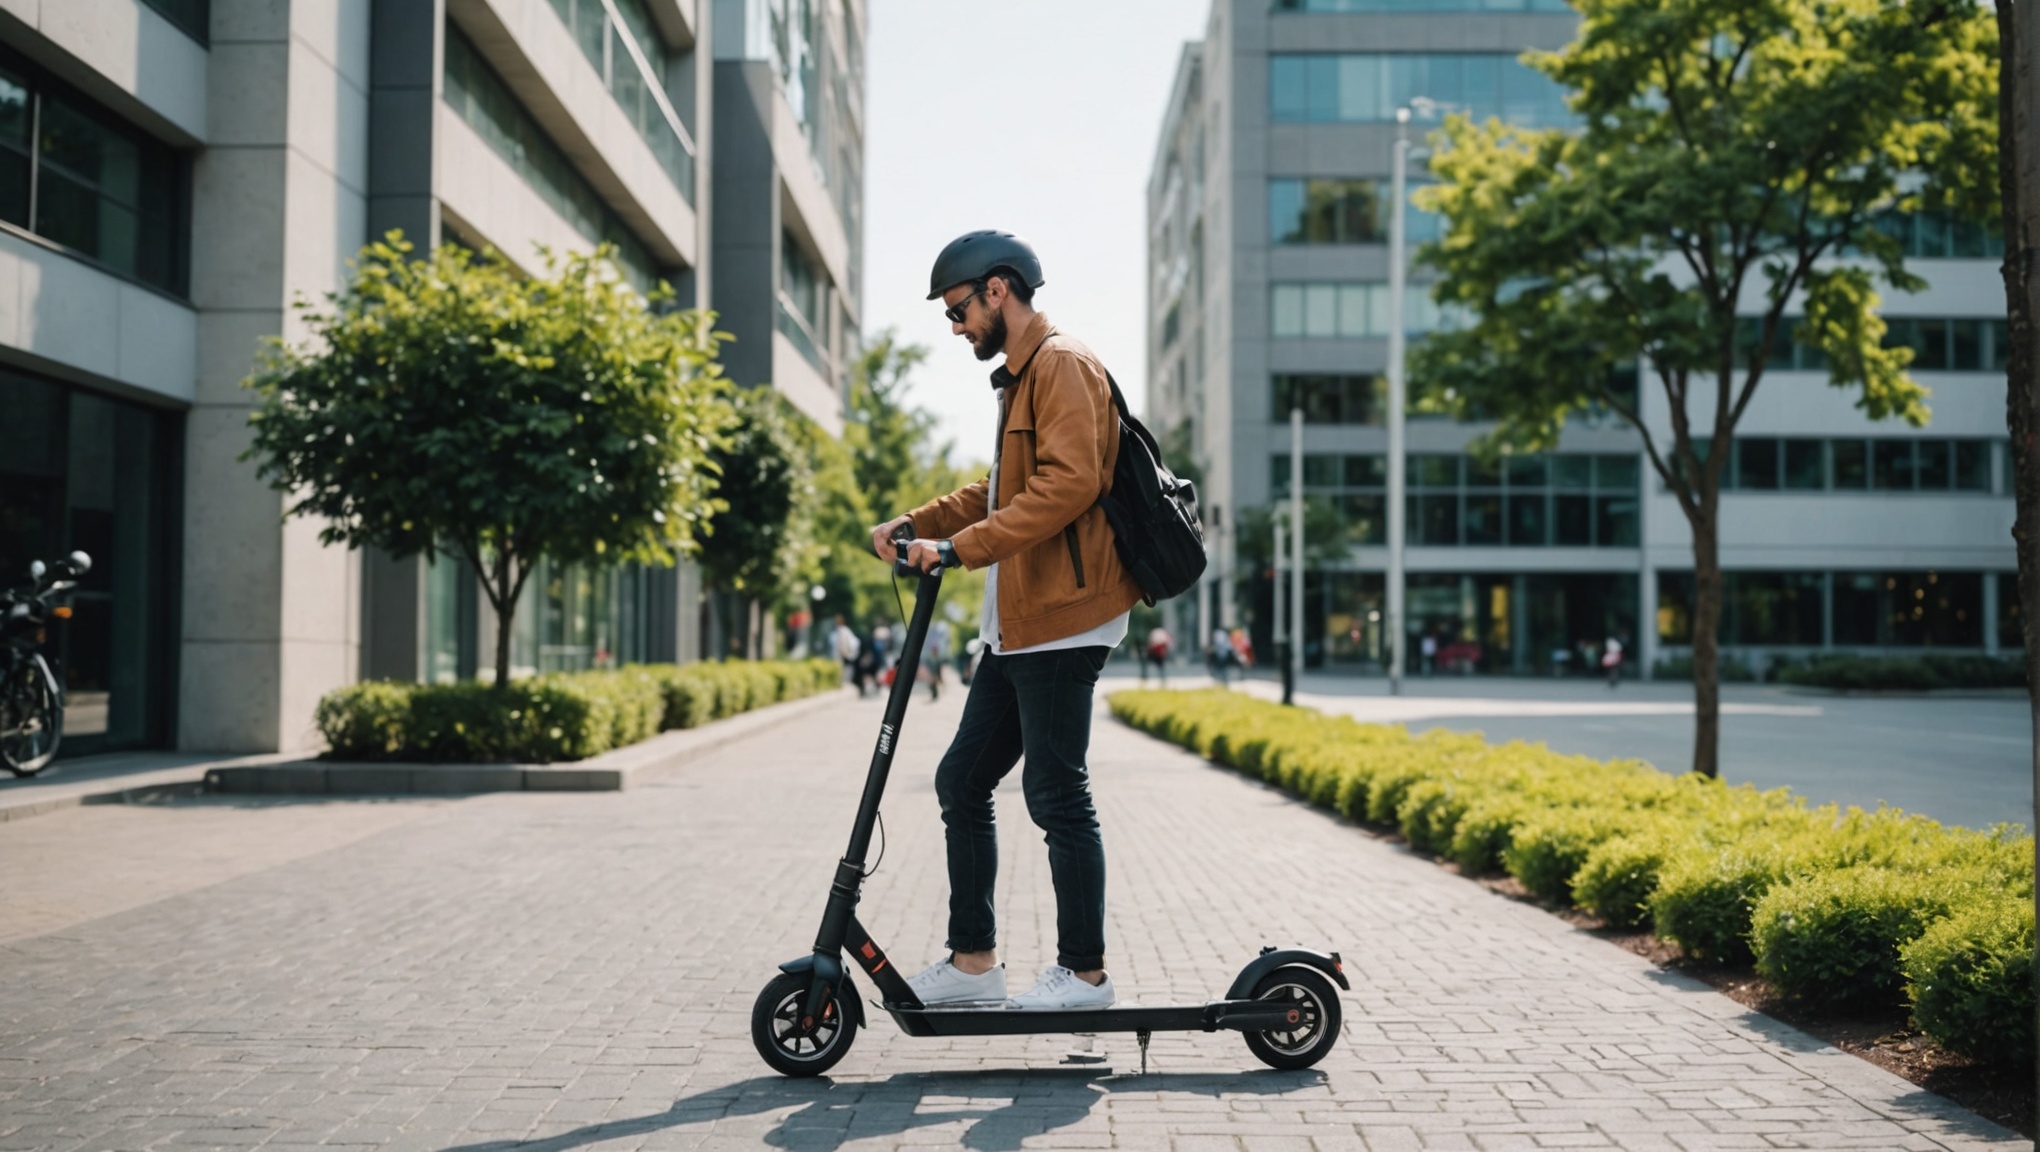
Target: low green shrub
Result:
[1903, 673]
[1834, 906]
[552, 717]
[365, 721]
[1832, 938]
[1970, 980]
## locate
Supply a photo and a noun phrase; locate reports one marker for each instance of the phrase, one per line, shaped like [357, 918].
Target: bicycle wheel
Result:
[31, 718]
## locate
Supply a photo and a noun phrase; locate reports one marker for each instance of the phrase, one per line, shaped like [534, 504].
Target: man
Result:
[1157, 652]
[1057, 600]
[847, 646]
[934, 654]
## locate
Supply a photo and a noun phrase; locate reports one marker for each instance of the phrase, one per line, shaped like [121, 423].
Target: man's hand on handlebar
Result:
[928, 555]
[882, 538]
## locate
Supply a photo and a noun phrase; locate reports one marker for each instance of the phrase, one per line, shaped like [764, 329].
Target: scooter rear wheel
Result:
[792, 1045]
[1314, 1018]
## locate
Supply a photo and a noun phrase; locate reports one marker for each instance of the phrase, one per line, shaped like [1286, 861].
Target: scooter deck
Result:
[1238, 1015]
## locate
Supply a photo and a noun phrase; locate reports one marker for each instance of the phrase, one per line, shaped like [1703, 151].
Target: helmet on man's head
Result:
[974, 255]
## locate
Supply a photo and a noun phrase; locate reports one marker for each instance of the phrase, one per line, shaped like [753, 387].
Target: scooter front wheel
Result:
[795, 1044]
[1313, 1019]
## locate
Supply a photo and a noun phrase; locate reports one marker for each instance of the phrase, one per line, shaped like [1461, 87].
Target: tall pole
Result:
[1275, 598]
[1398, 400]
[1295, 545]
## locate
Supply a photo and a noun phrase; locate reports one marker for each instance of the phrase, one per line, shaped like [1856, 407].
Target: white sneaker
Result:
[1059, 989]
[943, 983]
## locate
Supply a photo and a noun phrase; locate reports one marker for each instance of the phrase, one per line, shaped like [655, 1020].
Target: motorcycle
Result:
[31, 696]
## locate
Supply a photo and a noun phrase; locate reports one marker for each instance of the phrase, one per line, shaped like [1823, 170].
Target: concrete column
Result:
[1646, 621]
[405, 50]
[271, 616]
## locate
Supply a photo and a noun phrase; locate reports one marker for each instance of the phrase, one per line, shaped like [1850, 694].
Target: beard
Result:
[993, 341]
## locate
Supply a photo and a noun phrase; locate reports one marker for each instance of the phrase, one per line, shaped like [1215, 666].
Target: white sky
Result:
[1039, 117]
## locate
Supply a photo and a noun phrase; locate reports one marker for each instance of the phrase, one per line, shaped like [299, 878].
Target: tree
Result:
[1730, 152]
[2018, 175]
[455, 403]
[897, 466]
[760, 545]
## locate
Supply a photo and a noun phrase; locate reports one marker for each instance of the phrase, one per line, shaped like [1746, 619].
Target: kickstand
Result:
[1143, 1036]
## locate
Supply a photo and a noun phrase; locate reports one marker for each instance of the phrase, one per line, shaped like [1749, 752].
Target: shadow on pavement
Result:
[1004, 1108]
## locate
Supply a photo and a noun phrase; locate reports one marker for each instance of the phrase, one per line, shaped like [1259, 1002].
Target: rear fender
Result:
[1272, 958]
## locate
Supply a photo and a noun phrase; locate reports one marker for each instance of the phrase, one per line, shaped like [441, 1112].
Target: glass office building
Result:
[1268, 218]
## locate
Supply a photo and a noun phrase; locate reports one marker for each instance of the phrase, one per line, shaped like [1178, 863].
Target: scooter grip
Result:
[901, 537]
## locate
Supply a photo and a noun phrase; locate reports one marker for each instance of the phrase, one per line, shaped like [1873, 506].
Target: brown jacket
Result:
[1059, 571]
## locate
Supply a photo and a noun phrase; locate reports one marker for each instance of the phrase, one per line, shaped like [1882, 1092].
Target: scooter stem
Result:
[850, 870]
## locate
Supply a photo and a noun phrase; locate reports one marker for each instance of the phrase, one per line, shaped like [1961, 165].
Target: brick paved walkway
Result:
[576, 971]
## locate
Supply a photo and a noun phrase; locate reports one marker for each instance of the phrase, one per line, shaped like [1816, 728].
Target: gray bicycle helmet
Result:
[973, 255]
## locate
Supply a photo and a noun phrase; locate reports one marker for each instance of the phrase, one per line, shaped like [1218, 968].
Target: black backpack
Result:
[1153, 513]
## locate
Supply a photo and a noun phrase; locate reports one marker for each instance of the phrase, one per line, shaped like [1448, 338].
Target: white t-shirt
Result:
[1108, 634]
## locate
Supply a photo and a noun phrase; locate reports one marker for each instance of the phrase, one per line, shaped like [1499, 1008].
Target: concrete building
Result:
[175, 173]
[1268, 270]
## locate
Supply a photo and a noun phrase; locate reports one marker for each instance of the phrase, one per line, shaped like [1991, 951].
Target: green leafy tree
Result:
[456, 403]
[760, 544]
[1731, 154]
[897, 466]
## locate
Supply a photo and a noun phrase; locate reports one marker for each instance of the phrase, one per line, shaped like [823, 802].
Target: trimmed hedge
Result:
[556, 716]
[1834, 906]
[1903, 673]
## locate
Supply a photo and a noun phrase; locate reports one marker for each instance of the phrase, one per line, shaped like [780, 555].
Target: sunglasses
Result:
[961, 308]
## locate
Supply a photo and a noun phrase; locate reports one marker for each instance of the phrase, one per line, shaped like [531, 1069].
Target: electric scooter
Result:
[805, 1019]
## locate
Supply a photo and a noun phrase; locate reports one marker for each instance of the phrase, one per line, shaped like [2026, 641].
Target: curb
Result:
[612, 771]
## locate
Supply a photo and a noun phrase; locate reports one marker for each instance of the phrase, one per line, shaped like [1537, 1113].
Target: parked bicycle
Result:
[31, 696]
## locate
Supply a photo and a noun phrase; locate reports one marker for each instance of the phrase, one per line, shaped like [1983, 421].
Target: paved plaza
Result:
[576, 971]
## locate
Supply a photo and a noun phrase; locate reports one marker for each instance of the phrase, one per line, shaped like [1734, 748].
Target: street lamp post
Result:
[1295, 545]
[1281, 618]
[1398, 400]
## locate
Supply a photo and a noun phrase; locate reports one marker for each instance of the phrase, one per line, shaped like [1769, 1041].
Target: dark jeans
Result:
[1036, 704]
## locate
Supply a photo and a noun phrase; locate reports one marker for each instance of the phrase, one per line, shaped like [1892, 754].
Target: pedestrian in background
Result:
[1428, 649]
[932, 655]
[1611, 660]
[1219, 655]
[1156, 650]
[847, 647]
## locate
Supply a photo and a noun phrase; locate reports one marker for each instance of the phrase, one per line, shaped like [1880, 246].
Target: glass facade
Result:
[1346, 311]
[1329, 399]
[1325, 211]
[1569, 500]
[803, 300]
[486, 104]
[1367, 88]
[1939, 344]
[75, 175]
[79, 471]
[1856, 464]
[619, 38]
[1845, 609]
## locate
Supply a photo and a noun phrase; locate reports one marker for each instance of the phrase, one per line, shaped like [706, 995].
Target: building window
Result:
[1938, 235]
[1569, 500]
[620, 40]
[1909, 609]
[1325, 211]
[803, 291]
[79, 471]
[1329, 399]
[1346, 311]
[485, 103]
[76, 176]
[1367, 88]
[1769, 464]
[1939, 344]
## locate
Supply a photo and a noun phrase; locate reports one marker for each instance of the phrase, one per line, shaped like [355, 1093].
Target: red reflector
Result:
[870, 951]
